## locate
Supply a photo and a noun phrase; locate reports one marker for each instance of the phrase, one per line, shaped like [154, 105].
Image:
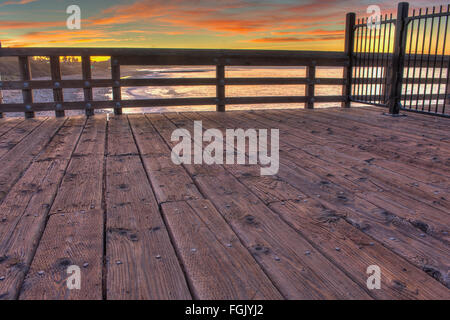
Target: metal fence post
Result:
[398, 59]
[348, 70]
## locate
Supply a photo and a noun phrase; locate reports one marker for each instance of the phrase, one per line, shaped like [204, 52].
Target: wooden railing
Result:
[167, 57]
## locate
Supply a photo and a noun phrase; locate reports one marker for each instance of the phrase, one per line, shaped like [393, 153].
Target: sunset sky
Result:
[231, 24]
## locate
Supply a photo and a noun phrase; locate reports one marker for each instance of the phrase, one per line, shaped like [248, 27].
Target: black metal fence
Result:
[403, 63]
[372, 54]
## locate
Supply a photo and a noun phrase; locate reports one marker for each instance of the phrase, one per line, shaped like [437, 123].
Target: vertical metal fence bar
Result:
[372, 61]
[388, 70]
[359, 55]
[421, 59]
[442, 63]
[435, 61]
[415, 62]
[447, 88]
[428, 62]
[411, 25]
[383, 60]
[367, 62]
[378, 60]
[355, 54]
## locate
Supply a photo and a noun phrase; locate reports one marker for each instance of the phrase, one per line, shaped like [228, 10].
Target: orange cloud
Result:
[293, 39]
[10, 24]
[16, 2]
[310, 32]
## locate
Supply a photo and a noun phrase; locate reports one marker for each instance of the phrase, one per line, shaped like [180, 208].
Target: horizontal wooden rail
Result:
[141, 56]
[138, 103]
[100, 83]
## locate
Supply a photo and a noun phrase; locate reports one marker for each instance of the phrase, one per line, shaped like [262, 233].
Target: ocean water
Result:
[230, 91]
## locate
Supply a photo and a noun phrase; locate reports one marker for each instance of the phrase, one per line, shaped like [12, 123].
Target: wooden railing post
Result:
[87, 77]
[348, 70]
[311, 76]
[25, 73]
[398, 58]
[1, 97]
[117, 91]
[1, 93]
[55, 70]
[220, 88]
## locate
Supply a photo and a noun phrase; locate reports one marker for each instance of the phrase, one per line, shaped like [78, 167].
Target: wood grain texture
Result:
[326, 229]
[315, 180]
[18, 159]
[8, 123]
[217, 265]
[140, 259]
[354, 188]
[12, 137]
[275, 245]
[74, 231]
[23, 214]
[141, 262]
[170, 182]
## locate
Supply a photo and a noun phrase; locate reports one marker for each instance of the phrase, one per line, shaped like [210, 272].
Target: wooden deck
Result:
[355, 188]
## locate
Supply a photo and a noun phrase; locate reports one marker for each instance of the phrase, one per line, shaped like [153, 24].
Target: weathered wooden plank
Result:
[17, 160]
[61, 145]
[7, 124]
[390, 148]
[74, 231]
[354, 252]
[141, 261]
[367, 173]
[380, 224]
[24, 212]
[323, 227]
[92, 142]
[170, 182]
[330, 133]
[324, 136]
[10, 139]
[414, 129]
[217, 265]
[120, 138]
[392, 133]
[276, 246]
